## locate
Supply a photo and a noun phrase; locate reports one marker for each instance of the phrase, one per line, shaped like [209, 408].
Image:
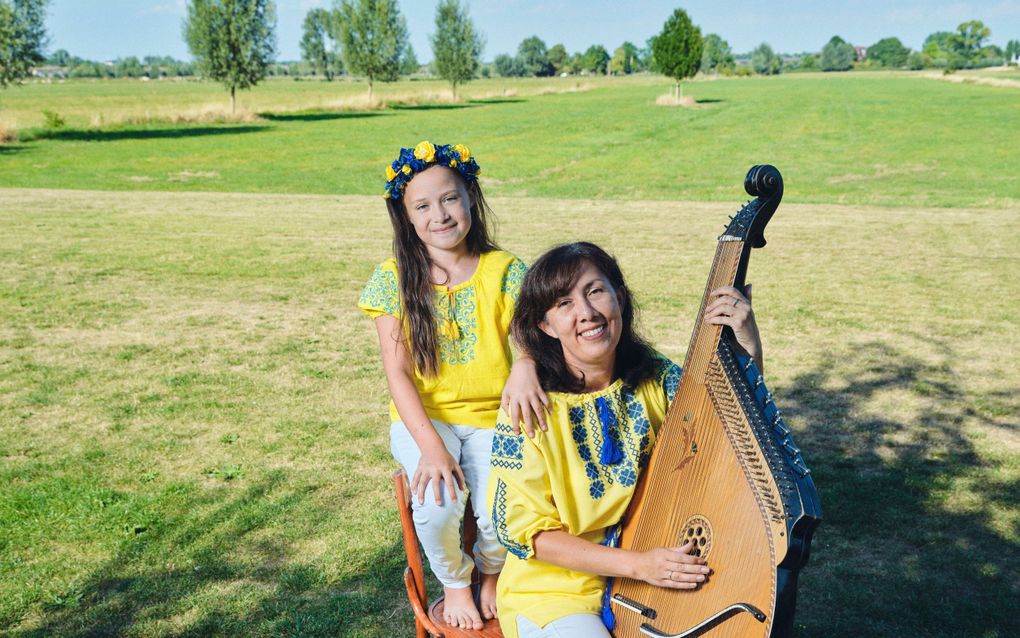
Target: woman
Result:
[556, 498]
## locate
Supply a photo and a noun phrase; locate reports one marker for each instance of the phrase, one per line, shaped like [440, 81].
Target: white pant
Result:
[438, 526]
[573, 626]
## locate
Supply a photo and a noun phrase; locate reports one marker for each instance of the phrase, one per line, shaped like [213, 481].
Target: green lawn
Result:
[880, 138]
[193, 432]
[193, 424]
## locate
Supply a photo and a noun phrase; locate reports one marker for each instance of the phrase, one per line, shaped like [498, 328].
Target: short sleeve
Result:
[381, 295]
[520, 497]
[668, 377]
[512, 278]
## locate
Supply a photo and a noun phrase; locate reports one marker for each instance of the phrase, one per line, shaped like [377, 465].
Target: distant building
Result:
[861, 53]
[49, 72]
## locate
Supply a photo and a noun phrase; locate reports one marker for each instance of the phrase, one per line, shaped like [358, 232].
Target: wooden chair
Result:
[431, 623]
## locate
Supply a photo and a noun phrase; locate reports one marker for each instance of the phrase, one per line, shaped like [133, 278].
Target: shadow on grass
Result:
[267, 589]
[319, 116]
[908, 545]
[497, 100]
[88, 135]
[433, 107]
[709, 100]
[11, 149]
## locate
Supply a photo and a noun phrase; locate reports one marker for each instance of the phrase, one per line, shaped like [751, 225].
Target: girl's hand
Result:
[439, 468]
[523, 398]
[671, 567]
[731, 308]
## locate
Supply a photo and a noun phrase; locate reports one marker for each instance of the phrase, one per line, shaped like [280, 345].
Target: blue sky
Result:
[107, 29]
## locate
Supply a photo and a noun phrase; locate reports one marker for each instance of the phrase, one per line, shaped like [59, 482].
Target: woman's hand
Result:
[671, 567]
[523, 398]
[731, 308]
[438, 467]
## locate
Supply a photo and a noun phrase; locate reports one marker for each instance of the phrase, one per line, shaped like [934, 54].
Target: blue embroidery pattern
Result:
[381, 292]
[499, 522]
[669, 377]
[462, 350]
[506, 448]
[630, 430]
[512, 279]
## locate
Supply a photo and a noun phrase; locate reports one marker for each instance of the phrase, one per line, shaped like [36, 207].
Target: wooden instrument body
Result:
[725, 474]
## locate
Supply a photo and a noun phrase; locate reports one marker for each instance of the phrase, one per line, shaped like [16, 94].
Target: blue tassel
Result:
[611, 453]
[608, 617]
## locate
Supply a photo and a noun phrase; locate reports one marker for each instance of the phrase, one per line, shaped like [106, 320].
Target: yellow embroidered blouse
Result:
[473, 324]
[558, 481]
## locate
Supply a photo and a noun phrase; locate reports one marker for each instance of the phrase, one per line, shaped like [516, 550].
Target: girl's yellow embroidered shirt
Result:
[558, 480]
[473, 326]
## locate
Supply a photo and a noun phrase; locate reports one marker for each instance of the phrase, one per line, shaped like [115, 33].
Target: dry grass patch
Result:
[668, 99]
[8, 134]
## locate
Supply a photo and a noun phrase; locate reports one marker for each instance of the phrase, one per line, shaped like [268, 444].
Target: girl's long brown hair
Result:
[550, 278]
[414, 268]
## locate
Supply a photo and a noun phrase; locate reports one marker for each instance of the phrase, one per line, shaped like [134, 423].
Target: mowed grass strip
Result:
[193, 425]
[890, 139]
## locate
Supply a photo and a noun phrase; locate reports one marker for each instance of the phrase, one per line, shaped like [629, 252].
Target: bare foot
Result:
[487, 596]
[460, 610]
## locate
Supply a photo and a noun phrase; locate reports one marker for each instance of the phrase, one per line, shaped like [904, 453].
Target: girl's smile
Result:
[439, 207]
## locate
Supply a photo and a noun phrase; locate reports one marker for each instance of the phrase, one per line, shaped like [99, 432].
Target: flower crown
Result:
[413, 161]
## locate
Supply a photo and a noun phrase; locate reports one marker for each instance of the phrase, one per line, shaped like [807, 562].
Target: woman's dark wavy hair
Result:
[414, 268]
[549, 279]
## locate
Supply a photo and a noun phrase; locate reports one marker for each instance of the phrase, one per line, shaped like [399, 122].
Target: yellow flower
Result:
[425, 151]
[390, 173]
[405, 169]
[453, 163]
[465, 153]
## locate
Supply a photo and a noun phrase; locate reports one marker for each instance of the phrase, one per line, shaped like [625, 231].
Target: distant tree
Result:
[596, 59]
[22, 38]
[409, 64]
[558, 58]
[60, 57]
[575, 64]
[625, 59]
[232, 40]
[837, 55]
[374, 38]
[764, 60]
[509, 66]
[943, 50]
[456, 44]
[319, 46]
[1012, 50]
[889, 52]
[970, 39]
[917, 61]
[129, 67]
[87, 70]
[716, 55]
[678, 48]
[535, 56]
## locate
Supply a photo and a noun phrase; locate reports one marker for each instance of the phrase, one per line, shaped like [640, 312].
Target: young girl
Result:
[442, 309]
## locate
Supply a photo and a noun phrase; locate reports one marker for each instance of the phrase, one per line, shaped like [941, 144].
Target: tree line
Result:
[234, 42]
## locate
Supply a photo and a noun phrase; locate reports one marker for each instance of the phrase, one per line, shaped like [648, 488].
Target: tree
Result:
[509, 66]
[889, 52]
[409, 64]
[1012, 50]
[22, 38]
[319, 44]
[374, 38]
[837, 55]
[765, 61]
[625, 59]
[129, 67]
[943, 49]
[716, 55]
[596, 59]
[456, 44]
[558, 58]
[970, 38]
[535, 57]
[678, 48]
[232, 40]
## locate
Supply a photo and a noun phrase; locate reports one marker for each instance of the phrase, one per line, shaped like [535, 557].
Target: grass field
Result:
[877, 139]
[192, 411]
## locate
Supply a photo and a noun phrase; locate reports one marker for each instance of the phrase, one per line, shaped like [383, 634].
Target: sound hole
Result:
[698, 531]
